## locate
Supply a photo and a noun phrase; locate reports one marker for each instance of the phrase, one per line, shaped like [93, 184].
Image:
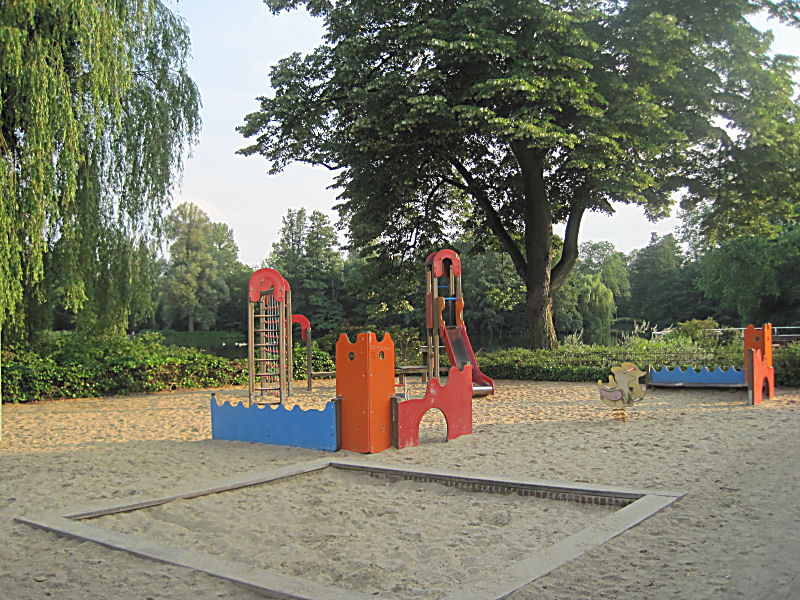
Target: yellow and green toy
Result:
[623, 389]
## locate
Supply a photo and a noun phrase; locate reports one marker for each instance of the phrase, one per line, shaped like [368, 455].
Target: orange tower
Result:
[758, 339]
[365, 381]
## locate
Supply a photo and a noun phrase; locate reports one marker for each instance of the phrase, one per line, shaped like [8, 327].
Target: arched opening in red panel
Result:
[433, 427]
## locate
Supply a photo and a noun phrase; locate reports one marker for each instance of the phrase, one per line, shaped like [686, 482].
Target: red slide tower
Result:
[443, 295]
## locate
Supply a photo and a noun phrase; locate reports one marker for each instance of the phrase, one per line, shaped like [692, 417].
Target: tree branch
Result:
[495, 224]
[569, 255]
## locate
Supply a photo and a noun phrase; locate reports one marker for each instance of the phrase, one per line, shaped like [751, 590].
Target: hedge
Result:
[72, 366]
[590, 363]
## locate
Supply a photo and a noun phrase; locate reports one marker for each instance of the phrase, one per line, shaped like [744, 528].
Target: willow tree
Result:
[515, 115]
[96, 112]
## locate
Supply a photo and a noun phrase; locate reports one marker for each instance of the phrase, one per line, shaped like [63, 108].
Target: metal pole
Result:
[251, 362]
[309, 362]
[289, 344]
[282, 349]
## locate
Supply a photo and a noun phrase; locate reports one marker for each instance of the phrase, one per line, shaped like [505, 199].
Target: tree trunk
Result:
[1, 373]
[538, 249]
[539, 308]
[190, 324]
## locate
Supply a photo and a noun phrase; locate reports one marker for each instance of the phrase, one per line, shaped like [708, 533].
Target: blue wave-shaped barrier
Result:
[315, 429]
[716, 377]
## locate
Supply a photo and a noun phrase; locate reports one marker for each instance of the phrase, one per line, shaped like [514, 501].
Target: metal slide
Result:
[459, 350]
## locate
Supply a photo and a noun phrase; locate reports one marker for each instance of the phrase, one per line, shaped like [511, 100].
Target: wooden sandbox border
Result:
[634, 506]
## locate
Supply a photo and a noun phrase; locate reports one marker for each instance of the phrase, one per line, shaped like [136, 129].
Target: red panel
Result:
[454, 400]
[365, 380]
[304, 323]
[262, 280]
[436, 260]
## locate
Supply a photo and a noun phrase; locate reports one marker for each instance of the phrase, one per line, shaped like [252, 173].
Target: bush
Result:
[786, 360]
[320, 360]
[75, 366]
[698, 331]
[578, 362]
[72, 366]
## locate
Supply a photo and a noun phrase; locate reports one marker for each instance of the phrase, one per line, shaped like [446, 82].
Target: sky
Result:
[234, 44]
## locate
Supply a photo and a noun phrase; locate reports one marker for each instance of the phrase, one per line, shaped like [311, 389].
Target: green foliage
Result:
[72, 366]
[755, 277]
[494, 294]
[603, 259]
[202, 253]
[697, 330]
[230, 344]
[96, 114]
[407, 341]
[306, 254]
[75, 366]
[321, 361]
[507, 117]
[786, 360]
[663, 284]
[578, 362]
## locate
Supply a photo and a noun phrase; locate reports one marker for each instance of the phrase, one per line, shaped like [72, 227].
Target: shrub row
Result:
[590, 363]
[72, 366]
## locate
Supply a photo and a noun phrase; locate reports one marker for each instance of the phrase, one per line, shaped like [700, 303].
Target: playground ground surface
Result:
[733, 535]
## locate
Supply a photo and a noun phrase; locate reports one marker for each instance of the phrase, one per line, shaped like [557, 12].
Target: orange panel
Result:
[758, 339]
[763, 376]
[365, 380]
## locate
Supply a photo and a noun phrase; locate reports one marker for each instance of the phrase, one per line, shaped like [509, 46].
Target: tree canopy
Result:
[306, 255]
[96, 114]
[509, 116]
[200, 255]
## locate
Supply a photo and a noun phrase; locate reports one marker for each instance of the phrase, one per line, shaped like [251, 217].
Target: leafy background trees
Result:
[465, 124]
[509, 117]
[97, 111]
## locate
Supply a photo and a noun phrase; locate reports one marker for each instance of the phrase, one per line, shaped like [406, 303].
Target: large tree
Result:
[306, 254]
[756, 278]
[515, 115]
[96, 112]
[201, 254]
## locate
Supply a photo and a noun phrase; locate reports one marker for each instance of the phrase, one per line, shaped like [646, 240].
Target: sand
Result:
[735, 534]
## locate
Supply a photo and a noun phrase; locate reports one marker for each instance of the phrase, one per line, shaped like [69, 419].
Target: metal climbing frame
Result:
[441, 277]
[269, 340]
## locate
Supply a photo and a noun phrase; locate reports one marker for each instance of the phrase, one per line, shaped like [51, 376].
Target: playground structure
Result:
[269, 344]
[443, 274]
[365, 416]
[757, 376]
[623, 389]
[269, 337]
